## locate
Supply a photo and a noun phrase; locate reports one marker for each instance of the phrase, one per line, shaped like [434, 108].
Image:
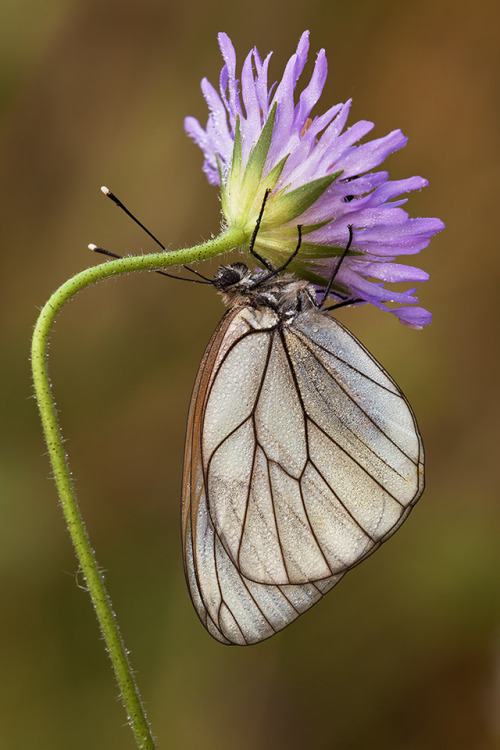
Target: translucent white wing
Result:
[302, 457]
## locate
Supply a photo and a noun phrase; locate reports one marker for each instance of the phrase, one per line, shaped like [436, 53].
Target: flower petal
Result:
[312, 92]
[413, 317]
[395, 272]
[320, 175]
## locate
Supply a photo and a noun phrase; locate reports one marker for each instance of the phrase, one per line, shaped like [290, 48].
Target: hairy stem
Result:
[86, 557]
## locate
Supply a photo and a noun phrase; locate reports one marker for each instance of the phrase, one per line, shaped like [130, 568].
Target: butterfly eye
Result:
[228, 276]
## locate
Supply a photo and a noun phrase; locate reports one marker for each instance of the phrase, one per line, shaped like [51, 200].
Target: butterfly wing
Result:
[366, 456]
[302, 456]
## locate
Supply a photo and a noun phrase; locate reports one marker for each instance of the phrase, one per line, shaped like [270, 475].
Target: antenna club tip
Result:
[91, 246]
[105, 190]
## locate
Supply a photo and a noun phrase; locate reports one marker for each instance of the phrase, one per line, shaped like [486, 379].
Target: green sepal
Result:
[308, 250]
[290, 233]
[315, 250]
[236, 160]
[289, 205]
[234, 174]
[270, 180]
[233, 178]
[257, 158]
[223, 188]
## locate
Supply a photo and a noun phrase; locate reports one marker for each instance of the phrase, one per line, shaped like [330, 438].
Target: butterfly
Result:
[302, 457]
[302, 454]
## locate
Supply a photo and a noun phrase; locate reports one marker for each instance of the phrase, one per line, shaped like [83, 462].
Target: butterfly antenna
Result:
[107, 192]
[109, 254]
[252, 250]
[337, 267]
[276, 271]
[292, 256]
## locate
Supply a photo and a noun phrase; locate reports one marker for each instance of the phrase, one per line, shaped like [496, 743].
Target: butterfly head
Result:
[284, 293]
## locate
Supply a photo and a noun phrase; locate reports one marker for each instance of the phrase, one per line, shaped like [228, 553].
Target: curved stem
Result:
[86, 557]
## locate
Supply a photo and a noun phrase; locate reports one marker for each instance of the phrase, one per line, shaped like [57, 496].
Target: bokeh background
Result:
[405, 653]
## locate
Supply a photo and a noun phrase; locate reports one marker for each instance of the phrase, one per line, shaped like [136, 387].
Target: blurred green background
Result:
[405, 653]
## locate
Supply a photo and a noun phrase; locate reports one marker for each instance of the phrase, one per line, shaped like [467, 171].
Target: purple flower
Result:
[258, 138]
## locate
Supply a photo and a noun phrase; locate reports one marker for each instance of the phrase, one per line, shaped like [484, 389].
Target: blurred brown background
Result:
[405, 654]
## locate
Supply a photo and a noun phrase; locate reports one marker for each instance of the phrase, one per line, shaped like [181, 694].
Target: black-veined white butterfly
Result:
[302, 454]
[302, 457]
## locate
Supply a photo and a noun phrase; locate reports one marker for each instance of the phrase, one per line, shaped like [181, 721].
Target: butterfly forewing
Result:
[302, 456]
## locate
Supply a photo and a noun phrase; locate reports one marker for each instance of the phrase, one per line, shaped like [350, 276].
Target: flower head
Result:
[258, 139]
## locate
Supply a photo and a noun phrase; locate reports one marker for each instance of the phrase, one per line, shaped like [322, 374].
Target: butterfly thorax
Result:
[286, 295]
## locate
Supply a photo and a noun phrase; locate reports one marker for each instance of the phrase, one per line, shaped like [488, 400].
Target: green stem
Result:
[39, 359]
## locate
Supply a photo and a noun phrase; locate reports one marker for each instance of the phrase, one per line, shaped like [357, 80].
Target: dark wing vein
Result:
[271, 492]
[346, 426]
[222, 600]
[263, 376]
[295, 515]
[210, 388]
[300, 334]
[349, 513]
[354, 460]
[304, 411]
[244, 582]
[292, 605]
[353, 400]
